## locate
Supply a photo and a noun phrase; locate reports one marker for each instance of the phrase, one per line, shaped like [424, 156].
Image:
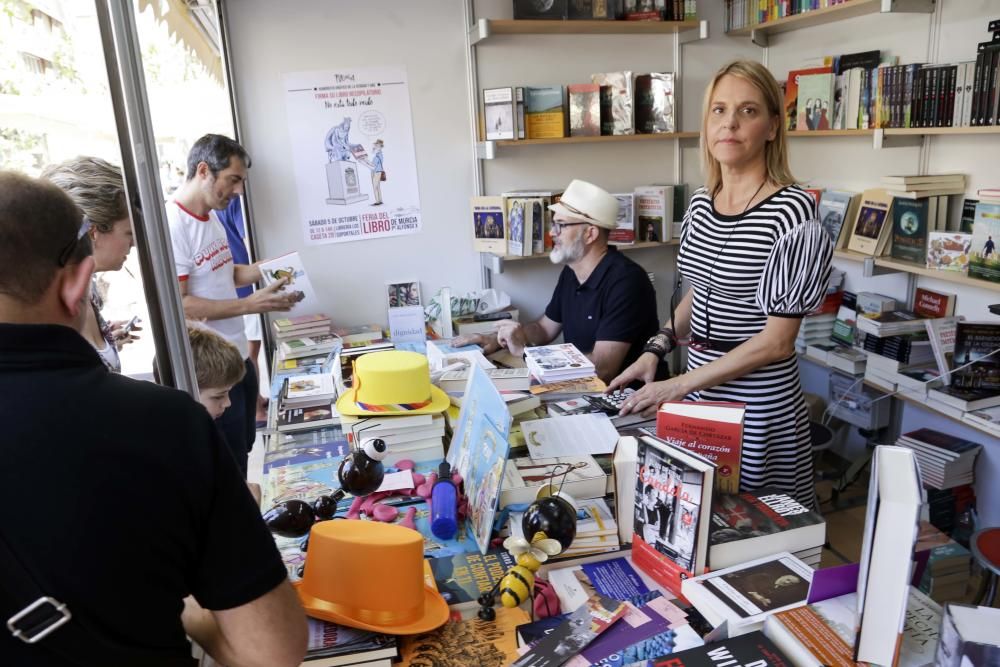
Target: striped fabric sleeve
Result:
[795, 276]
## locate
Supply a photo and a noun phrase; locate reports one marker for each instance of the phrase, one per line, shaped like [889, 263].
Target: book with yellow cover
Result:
[871, 227]
[469, 642]
[545, 111]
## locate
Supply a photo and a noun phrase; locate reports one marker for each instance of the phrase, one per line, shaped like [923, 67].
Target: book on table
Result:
[307, 346]
[332, 645]
[579, 476]
[743, 595]
[290, 268]
[749, 649]
[463, 577]
[713, 430]
[674, 488]
[472, 642]
[968, 636]
[891, 526]
[562, 361]
[756, 524]
[296, 419]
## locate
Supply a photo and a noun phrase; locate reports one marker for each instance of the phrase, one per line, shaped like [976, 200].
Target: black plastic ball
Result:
[360, 475]
[324, 508]
[292, 518]
[487, 614]
[553, 516]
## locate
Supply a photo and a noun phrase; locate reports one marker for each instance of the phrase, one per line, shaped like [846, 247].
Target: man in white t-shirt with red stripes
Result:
[217, 167]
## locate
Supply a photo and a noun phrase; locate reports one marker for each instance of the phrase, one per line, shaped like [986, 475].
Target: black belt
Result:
[714, 344]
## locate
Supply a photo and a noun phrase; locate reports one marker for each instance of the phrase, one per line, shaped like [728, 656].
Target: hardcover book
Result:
[984, 260]
[520, 225]
[977, 362]
[673, 499]
[712, 430]
[617, 111]
[654, 103]
[932, 303]
[584, 110]
[836, 207]
[792, 95]
[470, 642]
[870, 229]
[545, 111]
[760, 523]
[748, 649]
[745, 594]
[814, 104]
[624, 233]
[291, 268]
[348, 645]
[654, 214]
[912, 219]
[488, 216]
[948, 251]
[500, 113]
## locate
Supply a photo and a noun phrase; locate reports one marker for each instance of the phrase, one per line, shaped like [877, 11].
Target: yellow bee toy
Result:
[517, 584]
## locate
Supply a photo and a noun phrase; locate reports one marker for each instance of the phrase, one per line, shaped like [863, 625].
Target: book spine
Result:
[949, 96]
[959, 95]
[977, 85]
[916, 101]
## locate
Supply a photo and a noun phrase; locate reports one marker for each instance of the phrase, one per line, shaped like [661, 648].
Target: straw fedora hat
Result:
[585, 202]
[392, 383]
[369, 575]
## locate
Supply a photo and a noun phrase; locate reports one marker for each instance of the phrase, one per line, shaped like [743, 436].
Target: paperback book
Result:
[948, 251]
[544, 111]
[984, 260]
[584, 110]
[870, 229]
[749, 649]
[488, 216]
[468, 642]
[500, 113]
[711, 429]
[578, 630]
[617, 112]
[912, 220]
[624, 231]
[462, 578]
[835, 207]
[290, 268]
[654, 103]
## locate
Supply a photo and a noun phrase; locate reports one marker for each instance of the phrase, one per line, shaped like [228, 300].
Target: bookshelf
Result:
[761, 33]
[496, 263]
[486, 28]
[489, 148]
[891, 265]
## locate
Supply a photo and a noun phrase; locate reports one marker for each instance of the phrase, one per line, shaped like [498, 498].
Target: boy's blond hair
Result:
[217, 362]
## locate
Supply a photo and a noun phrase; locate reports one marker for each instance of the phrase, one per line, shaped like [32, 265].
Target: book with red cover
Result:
[673, 501]
[711, 429]
[932, 303]
[792, 94]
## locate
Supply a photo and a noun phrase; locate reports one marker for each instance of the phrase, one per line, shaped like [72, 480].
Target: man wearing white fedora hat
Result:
[603, 302]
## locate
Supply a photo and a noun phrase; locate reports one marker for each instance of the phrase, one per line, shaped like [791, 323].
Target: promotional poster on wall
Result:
[352, 148]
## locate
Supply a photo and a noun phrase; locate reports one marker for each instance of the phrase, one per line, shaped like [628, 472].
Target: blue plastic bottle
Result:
[444, 504]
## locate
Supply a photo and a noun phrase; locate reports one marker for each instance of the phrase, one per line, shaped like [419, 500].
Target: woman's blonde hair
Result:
[95, 186]
[775, 151]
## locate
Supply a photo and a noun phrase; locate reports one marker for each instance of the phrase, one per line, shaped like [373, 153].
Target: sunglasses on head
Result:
[68, 249]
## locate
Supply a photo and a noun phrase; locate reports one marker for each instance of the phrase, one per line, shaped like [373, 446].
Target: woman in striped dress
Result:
[757, 260]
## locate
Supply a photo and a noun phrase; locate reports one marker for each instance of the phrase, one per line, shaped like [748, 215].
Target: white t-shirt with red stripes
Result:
[203, 260]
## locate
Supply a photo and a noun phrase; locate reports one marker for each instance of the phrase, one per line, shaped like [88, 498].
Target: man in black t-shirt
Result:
[121, 500]
[603, 303]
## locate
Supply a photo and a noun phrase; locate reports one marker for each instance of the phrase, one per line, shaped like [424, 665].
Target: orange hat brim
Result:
[436, 613]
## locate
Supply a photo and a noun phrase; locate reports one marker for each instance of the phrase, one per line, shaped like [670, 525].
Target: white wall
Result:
[270, 39]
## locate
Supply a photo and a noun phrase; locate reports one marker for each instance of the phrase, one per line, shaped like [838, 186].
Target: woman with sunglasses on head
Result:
[97, 188]
[757, 261]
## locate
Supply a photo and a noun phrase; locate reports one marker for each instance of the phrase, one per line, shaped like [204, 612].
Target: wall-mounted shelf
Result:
[687, 30]
[813, 134]
[883, 265]
[761, 33]
[486, 150]
[903, 398]
[496, 263]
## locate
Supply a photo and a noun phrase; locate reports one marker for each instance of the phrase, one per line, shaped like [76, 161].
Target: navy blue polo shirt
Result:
[616, 302]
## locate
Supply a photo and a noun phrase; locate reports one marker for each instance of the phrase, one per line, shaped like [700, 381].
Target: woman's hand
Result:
[648, 399]
[642, 369]
[122, 336]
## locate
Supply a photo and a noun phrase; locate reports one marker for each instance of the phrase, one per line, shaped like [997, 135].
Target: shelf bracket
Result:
[912, 6]
[694, 35]
[882, 140]
[486, 150]
[480, 31]
[492, 263]
[870, 269]
[760, 38]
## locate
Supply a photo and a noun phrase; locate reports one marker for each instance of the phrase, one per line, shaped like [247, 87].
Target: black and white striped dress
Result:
[772, 260]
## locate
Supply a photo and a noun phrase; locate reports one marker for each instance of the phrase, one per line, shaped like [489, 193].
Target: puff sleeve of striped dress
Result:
[796, 274]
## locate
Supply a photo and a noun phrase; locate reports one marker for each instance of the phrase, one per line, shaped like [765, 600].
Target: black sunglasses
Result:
[68, 249]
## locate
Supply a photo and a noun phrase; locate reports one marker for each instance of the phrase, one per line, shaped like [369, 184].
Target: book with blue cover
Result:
[479, 450]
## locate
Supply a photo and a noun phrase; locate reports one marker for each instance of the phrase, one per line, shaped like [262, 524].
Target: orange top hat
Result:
[369, 575]
[392, 383]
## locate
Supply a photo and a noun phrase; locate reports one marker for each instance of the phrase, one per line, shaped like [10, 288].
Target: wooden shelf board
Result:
[910, 267]
[597, 140]
[815, 17]
[831, 133]
[904, 131]
[523, 27]
[626, 248]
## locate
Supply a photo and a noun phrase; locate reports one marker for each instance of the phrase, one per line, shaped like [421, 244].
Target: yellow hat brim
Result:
[439, 403]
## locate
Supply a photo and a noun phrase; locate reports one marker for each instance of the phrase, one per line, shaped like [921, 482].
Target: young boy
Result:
[218, 366]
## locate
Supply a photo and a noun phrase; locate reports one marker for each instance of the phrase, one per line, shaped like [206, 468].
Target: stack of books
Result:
[894, 323]
[944, 506]
[414, 437]
[362, 339]
[308, 391]
[947, 573]
[555, 363]
[922, 186]
[817, 326]
[975, 380]
[755, 524]
[596, 533]
[307, 346]
[304, 325]
[523, 477]
[945, 461]
[331, 644]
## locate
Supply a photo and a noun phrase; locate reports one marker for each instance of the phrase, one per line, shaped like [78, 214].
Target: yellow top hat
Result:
[392, 383]
[369, 575]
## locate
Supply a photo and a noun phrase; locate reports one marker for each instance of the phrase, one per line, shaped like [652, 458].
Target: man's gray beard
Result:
[568, 253]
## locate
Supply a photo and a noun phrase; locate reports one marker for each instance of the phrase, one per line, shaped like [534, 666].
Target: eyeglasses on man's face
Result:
[557, 227]
[68, 249]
